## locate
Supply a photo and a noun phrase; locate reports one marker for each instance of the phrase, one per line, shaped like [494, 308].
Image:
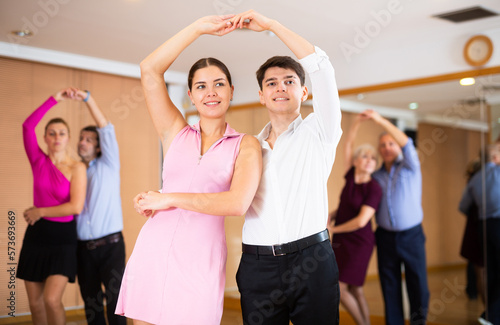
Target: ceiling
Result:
[127, 30]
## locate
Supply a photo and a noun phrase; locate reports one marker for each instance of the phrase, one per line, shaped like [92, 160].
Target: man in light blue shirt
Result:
[489, 211]
[101, 249]
[399, 236]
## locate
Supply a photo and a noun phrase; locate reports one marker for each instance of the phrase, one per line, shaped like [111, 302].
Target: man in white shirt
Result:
[288, 269]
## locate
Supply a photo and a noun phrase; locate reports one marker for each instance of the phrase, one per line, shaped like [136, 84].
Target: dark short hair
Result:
[284, 62]
[206, 62]
[55, 121]
[93, 128]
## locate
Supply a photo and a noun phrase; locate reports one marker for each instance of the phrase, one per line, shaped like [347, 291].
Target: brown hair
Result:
[54, 121]
[206, 62]
[284, 62]
[93, 128]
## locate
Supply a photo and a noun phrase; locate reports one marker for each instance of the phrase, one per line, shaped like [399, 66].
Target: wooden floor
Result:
[448, 303]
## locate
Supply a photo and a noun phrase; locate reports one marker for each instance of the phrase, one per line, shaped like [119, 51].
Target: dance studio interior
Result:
[430, 67]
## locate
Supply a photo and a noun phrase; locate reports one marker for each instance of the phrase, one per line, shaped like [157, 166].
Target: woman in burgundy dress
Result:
[353, 238]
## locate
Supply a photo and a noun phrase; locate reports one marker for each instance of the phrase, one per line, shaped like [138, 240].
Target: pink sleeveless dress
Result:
[176, 273]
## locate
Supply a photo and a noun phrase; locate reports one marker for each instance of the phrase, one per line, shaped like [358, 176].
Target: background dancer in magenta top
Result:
[176, 274]
[353, 239]
[48, 256]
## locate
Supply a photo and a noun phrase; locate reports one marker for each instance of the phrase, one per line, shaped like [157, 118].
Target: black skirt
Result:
[49, 248]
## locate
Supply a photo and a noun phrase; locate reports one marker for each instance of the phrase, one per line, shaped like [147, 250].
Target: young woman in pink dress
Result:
[48, 256]
[176, 273]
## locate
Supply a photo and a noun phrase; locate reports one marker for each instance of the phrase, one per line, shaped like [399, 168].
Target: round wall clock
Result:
[478, 50]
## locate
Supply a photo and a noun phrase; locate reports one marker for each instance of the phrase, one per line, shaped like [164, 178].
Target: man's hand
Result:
[371, 114]
[252, 20]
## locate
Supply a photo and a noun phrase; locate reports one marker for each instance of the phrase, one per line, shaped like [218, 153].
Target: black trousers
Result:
[493, 269]
[301, 287]
[396, 248]
[103, 265]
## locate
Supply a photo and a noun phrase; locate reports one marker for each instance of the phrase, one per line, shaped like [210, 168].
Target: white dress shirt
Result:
[292, 199]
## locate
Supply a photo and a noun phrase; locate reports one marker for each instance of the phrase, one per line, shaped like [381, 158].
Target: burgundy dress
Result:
[354, 249]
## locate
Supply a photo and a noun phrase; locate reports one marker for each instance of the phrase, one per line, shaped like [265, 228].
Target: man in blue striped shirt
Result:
[101, 249]
[400, 238]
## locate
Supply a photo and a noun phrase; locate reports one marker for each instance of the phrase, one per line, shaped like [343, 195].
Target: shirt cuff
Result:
[312, 61]
[109, 127]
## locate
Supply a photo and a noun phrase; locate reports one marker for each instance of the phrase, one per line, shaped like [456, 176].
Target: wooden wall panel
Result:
[16, 190]
[444, 153]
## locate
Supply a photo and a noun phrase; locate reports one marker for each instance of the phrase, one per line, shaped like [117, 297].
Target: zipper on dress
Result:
[213, 144]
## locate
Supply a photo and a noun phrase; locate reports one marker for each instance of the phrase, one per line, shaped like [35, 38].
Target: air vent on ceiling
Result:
[467, 14]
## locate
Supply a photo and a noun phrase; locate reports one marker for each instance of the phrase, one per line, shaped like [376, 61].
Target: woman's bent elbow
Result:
[78, 208]
[239, 210]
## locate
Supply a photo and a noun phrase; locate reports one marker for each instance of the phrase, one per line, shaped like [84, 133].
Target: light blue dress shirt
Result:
[102, 212]
[401, 205]
[473, 193]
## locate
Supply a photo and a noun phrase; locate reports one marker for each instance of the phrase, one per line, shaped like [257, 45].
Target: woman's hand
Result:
[146, 203]
[70, 93]
[252, 20]
[32, 215]
[362, 117]
[137, 206]
[215, 25]
[371, 114]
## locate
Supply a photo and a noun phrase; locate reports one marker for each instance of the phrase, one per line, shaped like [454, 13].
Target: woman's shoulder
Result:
[374, 185]
[350, 173]
[249, 140]
[77, 166]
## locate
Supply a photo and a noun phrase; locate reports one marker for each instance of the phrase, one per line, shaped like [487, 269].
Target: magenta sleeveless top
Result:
[50, 186]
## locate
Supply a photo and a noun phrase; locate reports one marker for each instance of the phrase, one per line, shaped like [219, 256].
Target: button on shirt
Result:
[102, 212]
[490, 207]
[291, 202]
[401, 205]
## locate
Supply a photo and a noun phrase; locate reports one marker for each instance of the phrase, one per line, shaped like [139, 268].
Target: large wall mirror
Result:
[450, 123]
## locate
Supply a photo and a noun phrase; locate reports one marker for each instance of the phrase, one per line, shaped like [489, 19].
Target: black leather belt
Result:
[110, 239]
[287, 248]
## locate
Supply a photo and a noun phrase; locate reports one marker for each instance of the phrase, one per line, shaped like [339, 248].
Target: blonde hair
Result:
[364, 148]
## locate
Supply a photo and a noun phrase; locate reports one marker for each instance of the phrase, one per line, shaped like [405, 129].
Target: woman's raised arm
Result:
[166, 118]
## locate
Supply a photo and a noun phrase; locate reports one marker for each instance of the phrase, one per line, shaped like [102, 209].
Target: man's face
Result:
[281, 91]
[388, 148]
[495, 154]
[87, 146]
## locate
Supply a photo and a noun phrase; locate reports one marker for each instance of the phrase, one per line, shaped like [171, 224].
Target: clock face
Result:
[478, 50]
